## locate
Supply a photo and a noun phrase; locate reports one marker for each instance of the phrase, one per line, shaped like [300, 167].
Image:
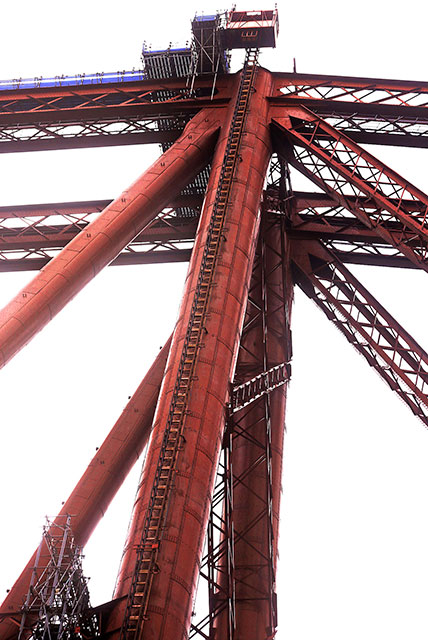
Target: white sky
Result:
[354, 559]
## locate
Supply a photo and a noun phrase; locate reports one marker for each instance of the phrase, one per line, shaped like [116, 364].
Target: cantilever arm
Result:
[381, 199]
[386, 346]
[101, 241]
[105, 474]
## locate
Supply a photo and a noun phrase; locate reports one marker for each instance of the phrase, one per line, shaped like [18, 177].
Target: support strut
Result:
[258, 434]
[93, 493]
[170, 516]
[366, 324]
[101, 241]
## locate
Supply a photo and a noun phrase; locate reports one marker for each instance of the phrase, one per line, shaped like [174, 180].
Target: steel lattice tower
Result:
[212, 406]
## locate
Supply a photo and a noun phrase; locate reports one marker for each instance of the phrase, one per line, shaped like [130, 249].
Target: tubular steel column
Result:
[258, 434]
[93, 493]
[101, 241]
[160, 564]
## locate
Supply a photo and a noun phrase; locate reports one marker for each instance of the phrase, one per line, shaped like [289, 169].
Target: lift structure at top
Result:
[212, 406]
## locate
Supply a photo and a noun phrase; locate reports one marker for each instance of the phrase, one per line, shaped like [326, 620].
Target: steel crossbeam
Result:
[101, 115]
[375, 91]
[32, 235]
[371, 111]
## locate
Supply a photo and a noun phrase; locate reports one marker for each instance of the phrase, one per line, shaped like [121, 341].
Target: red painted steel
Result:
[40, 231]
[344, 169]
[173, 588]
[84, 116]
[368, 326]
[103, 114]
[257, 455]
[97, 487]
[377, 201]
[31, 235]
[103, 239]
[350, 88]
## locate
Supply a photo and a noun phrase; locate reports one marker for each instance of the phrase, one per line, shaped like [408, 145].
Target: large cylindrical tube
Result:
[93, 493]
[102, 240]
[173, 587]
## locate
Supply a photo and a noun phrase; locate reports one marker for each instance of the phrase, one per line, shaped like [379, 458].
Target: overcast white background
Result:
[353, 548]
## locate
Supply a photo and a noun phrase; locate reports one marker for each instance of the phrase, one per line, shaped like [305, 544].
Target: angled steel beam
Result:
[66, 210]
[32, 242]
[31, 235]
[365, 323]
[101, 241]
[366, 123]
[342, 169]
[98, 485]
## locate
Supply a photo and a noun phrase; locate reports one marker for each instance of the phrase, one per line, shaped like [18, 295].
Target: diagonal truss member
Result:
[378, 196]
[383, 342]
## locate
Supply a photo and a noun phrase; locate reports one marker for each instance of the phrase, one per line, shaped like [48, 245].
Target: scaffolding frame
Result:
[57, 605]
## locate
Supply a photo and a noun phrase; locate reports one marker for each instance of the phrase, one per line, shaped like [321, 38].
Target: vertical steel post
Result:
[258, 433]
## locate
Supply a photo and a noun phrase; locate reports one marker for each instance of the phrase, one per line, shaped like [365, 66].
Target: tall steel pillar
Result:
[256, 454]
[158, 575]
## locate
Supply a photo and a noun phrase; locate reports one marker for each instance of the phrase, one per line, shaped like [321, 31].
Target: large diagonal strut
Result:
[365, 323]
[102, 240]
[384, 201]
[95, 490]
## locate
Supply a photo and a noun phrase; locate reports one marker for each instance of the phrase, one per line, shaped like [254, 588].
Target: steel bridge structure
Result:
[212, 406]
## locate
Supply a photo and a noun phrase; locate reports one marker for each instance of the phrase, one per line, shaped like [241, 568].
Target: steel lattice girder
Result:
[386, 346]
[369, 110]
[30, 236]
[378, 195]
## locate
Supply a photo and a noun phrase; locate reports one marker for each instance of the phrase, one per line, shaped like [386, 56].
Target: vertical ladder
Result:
[146, 564]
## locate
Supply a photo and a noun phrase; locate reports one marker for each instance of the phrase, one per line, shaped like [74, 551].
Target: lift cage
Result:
[246, 29]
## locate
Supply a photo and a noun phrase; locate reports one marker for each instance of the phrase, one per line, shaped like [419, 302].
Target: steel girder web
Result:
[239, 565]
[372, 91]
[165, 544]
[101, 241]
[95, 490]
[101, 114]
[368, 110]
[316, 215]
[31, 235]
[365, 323]
[358, 181]
[29, 240]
